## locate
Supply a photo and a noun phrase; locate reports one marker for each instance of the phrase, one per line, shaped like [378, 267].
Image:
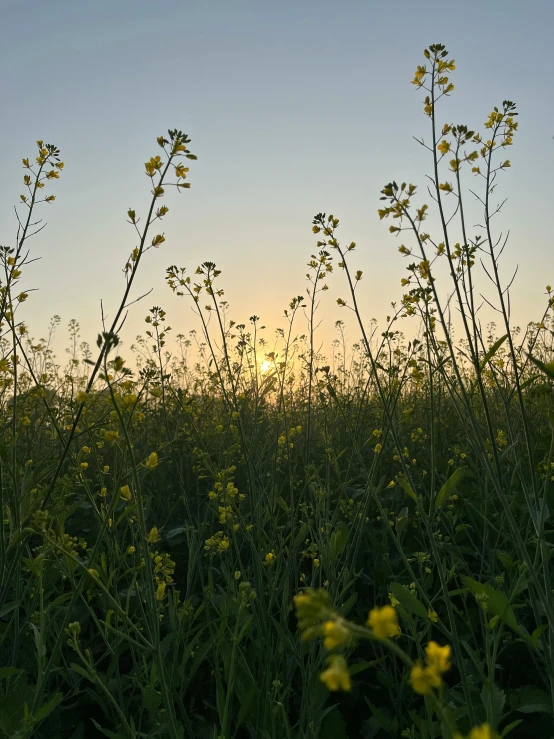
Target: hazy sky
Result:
[292, 107]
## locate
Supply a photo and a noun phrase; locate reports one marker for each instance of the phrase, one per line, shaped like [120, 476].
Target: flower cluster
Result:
[423, 678]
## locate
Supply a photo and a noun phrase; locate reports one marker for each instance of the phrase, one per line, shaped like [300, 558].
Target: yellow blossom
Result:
[424, 679]
[384, 622]
[160, 592]
[152, 461]
[125, 493]
[438, 658]
[153, 535]
[335, 634]
[336, 676]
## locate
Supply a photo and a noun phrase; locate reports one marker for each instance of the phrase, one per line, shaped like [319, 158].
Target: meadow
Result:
[237, 540]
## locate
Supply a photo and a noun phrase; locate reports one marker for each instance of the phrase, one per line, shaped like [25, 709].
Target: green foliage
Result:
[161, 510]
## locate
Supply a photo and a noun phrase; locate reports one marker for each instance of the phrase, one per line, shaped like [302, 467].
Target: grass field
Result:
[226, 542]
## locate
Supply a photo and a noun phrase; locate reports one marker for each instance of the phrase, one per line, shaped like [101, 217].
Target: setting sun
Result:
[265, 366]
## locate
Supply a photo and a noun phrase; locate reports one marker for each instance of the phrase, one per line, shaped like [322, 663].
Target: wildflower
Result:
[216, 543]
[131, 549]
[160, 592]
[336, 634]
[312, 608]
[384, 622]
[106, 468]
[103, 492]
[153, 535]
[432, 616]
[501, 440]
[482, 732]
[424, 678]
[152, 461]
[125, 493]
[378, 448]
[336, 676]
[74, 628]
[269, 558]
[438, 657]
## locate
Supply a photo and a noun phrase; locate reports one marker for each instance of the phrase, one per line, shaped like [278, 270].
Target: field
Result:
[235, 541]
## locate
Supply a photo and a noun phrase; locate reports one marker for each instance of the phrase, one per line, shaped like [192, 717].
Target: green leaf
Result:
[523, 386]
[347, 606]
[408, 601]
[152, 700]
[175, 531]
[511, 726]
[338, 541]
[492, 351]
[364, 665]
[8, 672]
[47, 708]
[8, 608]
[537, 633]
[407, 488]
[493, 700]
[534, 700]
[497, 602]
[333, 726]
[548, 369]
[450, 485]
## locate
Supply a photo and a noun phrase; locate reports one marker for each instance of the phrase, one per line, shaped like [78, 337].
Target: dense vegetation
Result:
[164, 513]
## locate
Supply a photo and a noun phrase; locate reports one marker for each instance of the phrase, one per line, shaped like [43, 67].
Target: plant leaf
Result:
[450, 485]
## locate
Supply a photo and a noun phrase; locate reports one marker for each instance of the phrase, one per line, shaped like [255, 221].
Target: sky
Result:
[293, 108]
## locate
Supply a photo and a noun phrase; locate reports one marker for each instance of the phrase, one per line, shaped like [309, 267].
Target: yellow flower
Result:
[384, 622]
[83, 465]
[482, 732]
[125, 493]
[269, 558]
[160, 592]
[444, 147]
[432, 616]
[438, 658]
[423, 679]
[378, 448]
[152, 461]
[336, 676]
[131, 549]
[153, 536]
[335, 634]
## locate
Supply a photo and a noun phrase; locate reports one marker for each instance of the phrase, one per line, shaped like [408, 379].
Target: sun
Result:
[265, 366]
